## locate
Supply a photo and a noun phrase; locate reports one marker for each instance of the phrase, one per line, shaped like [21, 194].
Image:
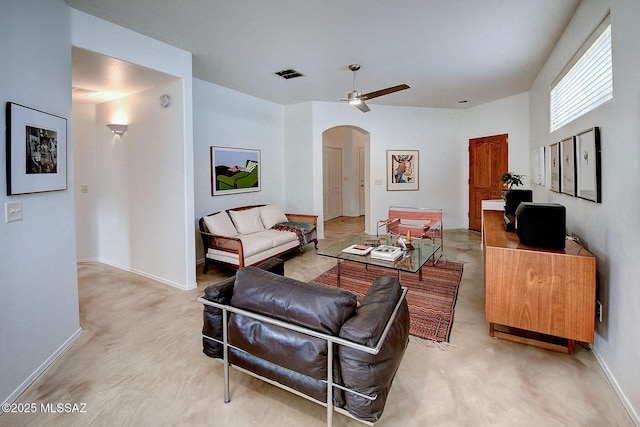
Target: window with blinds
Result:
[587, 84]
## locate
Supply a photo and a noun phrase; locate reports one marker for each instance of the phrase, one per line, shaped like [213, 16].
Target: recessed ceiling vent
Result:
[289, 74]
[80, 91]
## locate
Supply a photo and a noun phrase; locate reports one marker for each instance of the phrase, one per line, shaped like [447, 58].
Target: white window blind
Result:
[587, 84]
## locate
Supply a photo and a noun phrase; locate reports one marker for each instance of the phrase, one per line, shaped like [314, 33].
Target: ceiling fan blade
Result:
[362, 107]
[384, 91]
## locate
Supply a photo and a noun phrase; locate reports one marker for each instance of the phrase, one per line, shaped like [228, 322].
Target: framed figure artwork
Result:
[588, 165]
[234, 170]
[36, 151]
[554, 167]
[568, 168]
[403, 169]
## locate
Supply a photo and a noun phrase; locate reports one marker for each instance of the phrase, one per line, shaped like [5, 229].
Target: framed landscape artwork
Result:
[568, 167]
[554, 166]
[402, 170]
[234, 170]
[36, 151]
[588, 165]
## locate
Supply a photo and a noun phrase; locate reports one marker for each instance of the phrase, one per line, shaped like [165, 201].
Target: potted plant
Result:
[510, 179]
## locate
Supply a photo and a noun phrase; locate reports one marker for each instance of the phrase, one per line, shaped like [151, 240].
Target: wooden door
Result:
[488, 160]
[332, 182]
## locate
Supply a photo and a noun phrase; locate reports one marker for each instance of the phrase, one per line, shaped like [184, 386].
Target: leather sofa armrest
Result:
[372, 374]
[221, 293]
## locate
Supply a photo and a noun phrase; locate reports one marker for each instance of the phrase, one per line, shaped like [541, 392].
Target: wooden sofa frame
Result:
[233, 244]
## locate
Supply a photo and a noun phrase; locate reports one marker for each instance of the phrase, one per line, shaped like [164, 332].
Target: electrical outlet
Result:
[12, 211]
[599, 311]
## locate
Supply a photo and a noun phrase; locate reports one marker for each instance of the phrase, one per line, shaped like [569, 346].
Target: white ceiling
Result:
[447, 51]
[98, 78]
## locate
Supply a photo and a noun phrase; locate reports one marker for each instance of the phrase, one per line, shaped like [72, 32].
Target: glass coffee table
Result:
[410, 260]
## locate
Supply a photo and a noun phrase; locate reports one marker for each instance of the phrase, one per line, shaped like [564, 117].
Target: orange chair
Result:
[419, 223]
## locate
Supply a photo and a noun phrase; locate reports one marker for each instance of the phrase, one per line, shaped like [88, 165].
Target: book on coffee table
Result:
[358, 249]
[386, 253]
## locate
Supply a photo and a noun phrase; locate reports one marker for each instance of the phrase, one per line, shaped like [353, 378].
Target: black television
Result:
[513, 198]
[542, 225]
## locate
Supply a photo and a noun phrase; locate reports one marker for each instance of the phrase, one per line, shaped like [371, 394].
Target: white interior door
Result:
[332, 182]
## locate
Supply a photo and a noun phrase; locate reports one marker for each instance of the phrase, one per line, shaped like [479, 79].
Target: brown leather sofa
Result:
[292, 333]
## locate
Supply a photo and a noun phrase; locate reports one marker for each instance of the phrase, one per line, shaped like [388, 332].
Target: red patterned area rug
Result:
[431, 301]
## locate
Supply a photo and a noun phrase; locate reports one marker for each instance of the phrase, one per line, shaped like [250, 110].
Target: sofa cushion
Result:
[271, 215]
[221, 224]
[255, 243]
[247, 221]
[315, 307]
[279, 237]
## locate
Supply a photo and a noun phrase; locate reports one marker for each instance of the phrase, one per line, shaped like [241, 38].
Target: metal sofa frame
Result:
[330, 339]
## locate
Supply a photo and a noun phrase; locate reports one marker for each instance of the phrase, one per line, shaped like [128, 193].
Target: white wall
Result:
[84, 164]
[39, 285]
[223, 117]
[139, 185]
[511, 116]
[170, 191]
[300, 166]
[611, 230]
[436, 133]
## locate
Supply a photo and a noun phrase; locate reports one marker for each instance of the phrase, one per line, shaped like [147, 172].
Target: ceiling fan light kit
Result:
[354, 98]
[357, 99]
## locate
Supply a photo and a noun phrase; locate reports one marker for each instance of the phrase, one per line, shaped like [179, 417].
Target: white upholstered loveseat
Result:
[247, 235]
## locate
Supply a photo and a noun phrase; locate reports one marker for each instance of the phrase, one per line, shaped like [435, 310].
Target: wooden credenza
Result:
[536, 296]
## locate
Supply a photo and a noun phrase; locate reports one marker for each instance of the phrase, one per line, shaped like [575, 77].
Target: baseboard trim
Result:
[43, 367]
[150, 276]
[635, 417]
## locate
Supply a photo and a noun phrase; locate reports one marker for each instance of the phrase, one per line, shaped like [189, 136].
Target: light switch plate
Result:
[12, 211]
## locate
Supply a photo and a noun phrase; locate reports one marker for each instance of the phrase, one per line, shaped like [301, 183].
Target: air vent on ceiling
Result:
[79, 91]
[289, 74]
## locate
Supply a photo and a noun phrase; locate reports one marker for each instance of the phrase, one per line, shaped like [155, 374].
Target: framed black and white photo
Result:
[588, 165]
[36, 151]
[568, 168]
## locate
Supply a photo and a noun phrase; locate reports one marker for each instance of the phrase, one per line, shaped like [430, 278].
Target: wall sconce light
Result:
[117, 129]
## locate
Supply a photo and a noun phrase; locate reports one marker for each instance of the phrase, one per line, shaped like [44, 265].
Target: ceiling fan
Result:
[357, 99]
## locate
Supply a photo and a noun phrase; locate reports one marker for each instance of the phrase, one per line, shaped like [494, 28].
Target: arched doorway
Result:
[345, 156]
